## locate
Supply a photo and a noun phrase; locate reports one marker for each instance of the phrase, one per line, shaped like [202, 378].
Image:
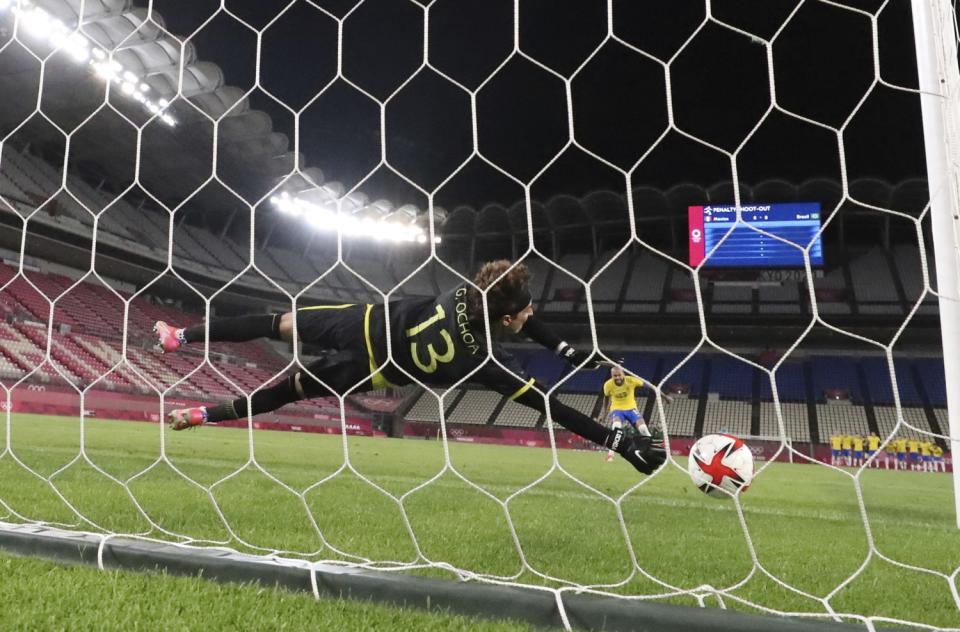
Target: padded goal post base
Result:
[537, 607]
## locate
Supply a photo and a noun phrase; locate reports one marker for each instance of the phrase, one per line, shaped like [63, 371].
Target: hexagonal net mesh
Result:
[588, 135]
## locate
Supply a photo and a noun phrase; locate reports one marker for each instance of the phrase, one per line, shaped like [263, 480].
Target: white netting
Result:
[131, 48]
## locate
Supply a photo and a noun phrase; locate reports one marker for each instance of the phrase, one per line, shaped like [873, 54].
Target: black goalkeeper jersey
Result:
[435, 343]
[433, 340]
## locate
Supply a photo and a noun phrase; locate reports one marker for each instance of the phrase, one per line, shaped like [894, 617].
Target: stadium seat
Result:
[796, 421]
[727, 417]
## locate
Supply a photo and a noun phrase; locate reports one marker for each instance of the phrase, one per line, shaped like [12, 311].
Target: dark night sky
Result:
[720, 90]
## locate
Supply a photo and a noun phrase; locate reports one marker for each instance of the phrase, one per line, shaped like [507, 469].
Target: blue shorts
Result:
[858, 454]
[914, 456]
[835, 453]
[927, 458]
[901, 456]
[846, 452]
[870, 453]
[629, 416]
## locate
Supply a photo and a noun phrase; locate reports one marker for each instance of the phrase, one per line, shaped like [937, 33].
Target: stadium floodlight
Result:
[323, 217]
[40, 24]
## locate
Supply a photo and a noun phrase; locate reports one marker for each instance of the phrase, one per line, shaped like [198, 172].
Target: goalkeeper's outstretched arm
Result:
[539, 332]
[643, 453]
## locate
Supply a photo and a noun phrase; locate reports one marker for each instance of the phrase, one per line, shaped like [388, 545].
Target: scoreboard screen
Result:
[797, 223]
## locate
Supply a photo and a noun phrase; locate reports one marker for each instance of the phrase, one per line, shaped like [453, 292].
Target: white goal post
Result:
[935, 37]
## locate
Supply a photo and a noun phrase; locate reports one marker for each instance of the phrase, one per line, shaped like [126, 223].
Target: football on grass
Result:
[720, 463]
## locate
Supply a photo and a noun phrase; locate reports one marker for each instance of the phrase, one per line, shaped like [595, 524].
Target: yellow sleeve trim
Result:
[523, 389]
[314, 307]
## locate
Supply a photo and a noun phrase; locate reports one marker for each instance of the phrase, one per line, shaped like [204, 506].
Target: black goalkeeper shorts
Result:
[345, 329]
[339, 327]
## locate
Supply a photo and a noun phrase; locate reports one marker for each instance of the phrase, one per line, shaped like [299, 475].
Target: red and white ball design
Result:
[720, 462]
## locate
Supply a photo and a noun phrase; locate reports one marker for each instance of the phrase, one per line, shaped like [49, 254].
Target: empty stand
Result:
[514, 414]
[841, 419]
[796, 421]
[727, 417]
[681, 416]
[475, 407]
[916, 417]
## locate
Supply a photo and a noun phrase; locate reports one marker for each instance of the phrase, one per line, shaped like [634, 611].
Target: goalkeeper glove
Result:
[646, 454]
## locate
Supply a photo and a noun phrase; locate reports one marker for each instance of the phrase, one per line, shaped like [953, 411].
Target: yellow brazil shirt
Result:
[858, 444]
[925, 448]
[937, 450]
[835, 442]
[621, 397]
[847, 442]
[901, 445]
[913, 445]
[873, 443]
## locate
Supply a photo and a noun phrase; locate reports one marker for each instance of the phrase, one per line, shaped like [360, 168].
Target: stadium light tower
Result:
[939, 81]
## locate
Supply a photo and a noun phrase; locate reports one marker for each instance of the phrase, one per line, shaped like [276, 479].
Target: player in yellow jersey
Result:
[620, 403]
[891, 454]
[857, 451]
[901, 454]
[938, 463]
[926, 455]
[913, 447]
[846, 442]
[835, 446]
[873, 444]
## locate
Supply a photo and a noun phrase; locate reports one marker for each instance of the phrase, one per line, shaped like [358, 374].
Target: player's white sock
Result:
[616, 425]
[642, 429]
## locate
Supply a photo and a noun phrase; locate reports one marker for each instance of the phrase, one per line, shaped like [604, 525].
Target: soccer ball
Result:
[720, 462]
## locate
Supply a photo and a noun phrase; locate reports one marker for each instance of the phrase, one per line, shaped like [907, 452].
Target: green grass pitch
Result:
[804, 520]
[47, 596]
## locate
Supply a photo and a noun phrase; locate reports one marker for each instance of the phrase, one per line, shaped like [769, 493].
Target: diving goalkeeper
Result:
[438, 341]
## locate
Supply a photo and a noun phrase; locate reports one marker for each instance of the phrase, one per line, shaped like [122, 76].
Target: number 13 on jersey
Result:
[434, 357]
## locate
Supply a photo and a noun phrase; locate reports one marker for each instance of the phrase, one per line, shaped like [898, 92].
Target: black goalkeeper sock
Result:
[262, 401]
[239, 329]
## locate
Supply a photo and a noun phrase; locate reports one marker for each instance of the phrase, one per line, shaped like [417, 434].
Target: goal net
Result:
[729, 199]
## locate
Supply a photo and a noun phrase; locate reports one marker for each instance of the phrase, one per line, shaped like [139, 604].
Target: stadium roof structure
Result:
[144, 64]
[117, 44]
